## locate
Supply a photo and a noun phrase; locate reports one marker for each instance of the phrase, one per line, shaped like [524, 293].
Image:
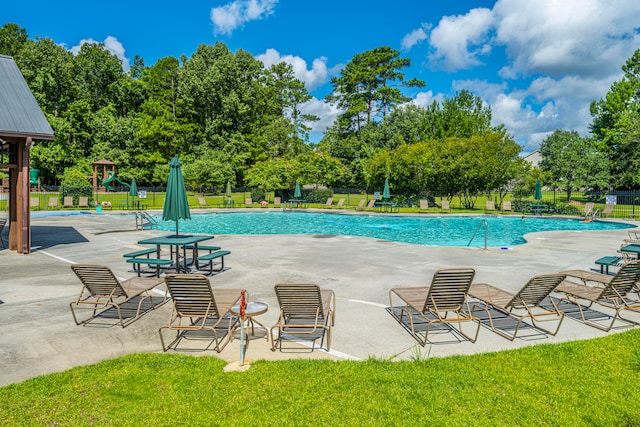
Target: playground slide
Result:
[111, 178]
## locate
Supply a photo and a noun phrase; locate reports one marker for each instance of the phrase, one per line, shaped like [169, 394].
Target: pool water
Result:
[447, 230]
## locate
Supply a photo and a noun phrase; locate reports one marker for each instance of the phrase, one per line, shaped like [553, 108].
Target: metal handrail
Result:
[142, 216]
[486, 232]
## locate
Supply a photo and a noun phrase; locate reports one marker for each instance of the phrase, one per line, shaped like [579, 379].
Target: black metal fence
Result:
[626, 204]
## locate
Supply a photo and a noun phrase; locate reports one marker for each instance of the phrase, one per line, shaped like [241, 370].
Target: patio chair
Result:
[197, 307]
[102, 289]
[527, 303]
[424, 206]
[202, 202]
[608, 210]
[3, 222]
[53, 203]
[444, 206]
[506, 206]
[248, 202]
[340, 203]
[329, 202]
[83, 202]
[361, 204]
[371, 204]
[588, 208]
[67, 202]
[609, 291]
[34, 202]
[490, 206]
[444, 302]
[306, 312]
[277, 201]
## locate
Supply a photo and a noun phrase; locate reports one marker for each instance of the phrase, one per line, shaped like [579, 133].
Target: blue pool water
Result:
[448, 230]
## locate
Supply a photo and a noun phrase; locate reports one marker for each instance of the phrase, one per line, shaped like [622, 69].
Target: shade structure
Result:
[297, 193]
[133, 189]
[176, 205]
[386, 194]
[538, 194]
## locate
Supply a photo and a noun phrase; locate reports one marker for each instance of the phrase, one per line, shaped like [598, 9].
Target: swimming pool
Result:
[447, 230]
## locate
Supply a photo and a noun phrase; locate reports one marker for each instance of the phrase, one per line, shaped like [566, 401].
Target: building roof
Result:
[534, 158]
[20, 114]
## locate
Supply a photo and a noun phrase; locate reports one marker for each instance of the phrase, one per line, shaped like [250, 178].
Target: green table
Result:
[387, 207]
[179, 241]
[537, 209]
[634, 248]
[296, 203]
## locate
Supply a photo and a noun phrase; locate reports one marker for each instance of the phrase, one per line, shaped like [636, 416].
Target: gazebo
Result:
[103, 167]
[21, 123]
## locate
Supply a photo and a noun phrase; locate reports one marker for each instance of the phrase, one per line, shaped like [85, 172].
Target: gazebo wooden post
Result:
[19, 215]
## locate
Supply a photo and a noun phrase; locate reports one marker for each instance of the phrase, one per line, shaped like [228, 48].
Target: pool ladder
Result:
[145, 221]
[484, 224]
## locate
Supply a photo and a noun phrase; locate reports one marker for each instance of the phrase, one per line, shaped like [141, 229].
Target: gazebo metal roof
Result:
[20, 114]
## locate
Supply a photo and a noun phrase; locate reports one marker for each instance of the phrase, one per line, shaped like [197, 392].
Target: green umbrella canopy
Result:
[133, 190]
[297, 194]
[386, 194]
[538, 193]
[176, 205]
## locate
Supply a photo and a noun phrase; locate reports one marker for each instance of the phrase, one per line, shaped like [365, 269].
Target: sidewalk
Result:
[39, 335]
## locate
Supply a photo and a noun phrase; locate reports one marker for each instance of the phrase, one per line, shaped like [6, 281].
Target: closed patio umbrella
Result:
[538, 194]
[176, 205]
[386, 194]
[133, 189]
[297, 193]
[228, 194]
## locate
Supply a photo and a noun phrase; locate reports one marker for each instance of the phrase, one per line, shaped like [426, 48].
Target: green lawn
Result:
[591, 382]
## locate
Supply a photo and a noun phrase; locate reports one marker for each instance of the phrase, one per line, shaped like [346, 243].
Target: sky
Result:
[537, 63]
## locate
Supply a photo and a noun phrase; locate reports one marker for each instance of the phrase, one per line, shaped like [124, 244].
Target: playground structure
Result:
[108, 171]
[34, 180]
[111, 179]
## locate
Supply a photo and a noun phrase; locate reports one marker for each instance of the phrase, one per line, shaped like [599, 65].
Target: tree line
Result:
[231, 119]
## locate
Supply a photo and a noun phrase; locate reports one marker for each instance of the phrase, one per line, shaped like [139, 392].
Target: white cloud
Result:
[312, 78]
[112, 45]
[233, 15]
[326, 112]
[414, 37]
[458, 41]
[559, 55]
[546, 104]
[425, 99]
[575, 37]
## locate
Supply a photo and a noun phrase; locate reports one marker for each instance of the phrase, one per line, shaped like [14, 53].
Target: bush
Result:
[258, 194]
[75, 184]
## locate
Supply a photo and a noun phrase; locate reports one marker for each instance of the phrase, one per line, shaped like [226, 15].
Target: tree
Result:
[624, 95]
[573, 162]
[48, 69]
[614, 126]
[369, 85]
[289, 93]
[12, 39]
[98, 73]
[318, 168]
[271, 174]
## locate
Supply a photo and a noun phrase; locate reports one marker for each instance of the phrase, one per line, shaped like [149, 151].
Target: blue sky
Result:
[537, 63]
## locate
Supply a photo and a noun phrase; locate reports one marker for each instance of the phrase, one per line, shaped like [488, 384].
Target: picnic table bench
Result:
[208, 258]
[158, 262]
[607, 261]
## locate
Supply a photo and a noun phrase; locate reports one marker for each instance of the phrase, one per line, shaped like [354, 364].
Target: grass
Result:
[591, 382]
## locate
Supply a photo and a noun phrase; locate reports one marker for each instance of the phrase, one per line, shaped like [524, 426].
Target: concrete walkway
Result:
[39, 336]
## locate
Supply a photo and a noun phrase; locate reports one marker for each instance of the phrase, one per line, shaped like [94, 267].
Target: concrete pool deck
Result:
[39, 336]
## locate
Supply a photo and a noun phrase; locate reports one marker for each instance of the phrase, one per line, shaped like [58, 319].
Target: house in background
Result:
[534, 158]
